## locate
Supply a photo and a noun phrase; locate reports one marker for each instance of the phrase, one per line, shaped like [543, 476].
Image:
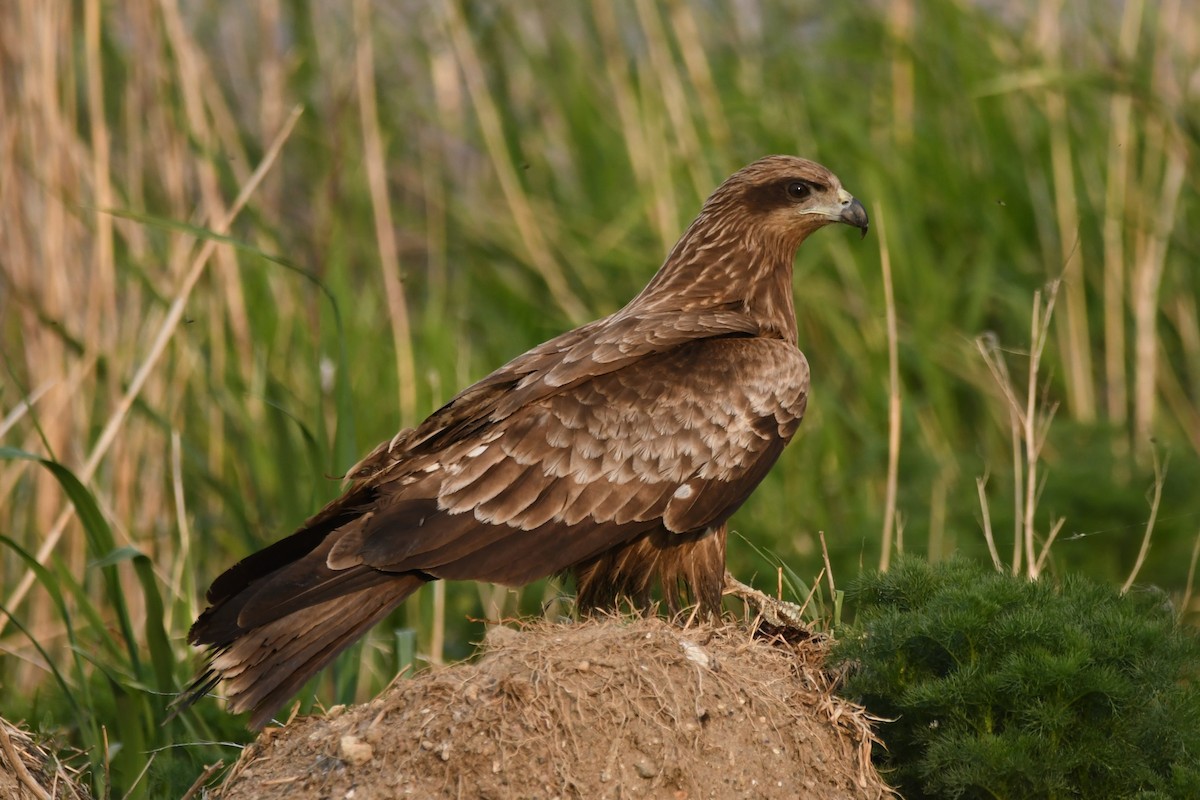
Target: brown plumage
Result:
[616, 451]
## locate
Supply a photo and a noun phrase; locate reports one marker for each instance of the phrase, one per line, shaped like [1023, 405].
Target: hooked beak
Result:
[854, 214]
[845, 209]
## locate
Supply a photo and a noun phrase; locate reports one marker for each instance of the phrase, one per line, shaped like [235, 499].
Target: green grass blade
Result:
[99, 538]
[159, 644]
[47, 581]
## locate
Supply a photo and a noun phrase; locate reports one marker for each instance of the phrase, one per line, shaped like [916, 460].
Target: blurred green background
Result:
[468, 179]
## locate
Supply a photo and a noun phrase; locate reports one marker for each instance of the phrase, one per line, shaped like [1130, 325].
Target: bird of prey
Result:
[615, 452]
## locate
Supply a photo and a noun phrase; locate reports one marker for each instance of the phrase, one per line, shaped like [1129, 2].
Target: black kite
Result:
[616, 452]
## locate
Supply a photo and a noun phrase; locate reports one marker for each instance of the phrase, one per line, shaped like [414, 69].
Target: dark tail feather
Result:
[264, 666]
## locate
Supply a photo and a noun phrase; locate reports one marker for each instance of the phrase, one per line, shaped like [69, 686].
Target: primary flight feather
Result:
[616, 452]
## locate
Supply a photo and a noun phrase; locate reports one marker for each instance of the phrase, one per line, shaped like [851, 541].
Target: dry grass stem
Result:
[985, 510]
[1030, 423]
[894, 408]
[1035, 421]
[202, 779]
[1146, 285]
[389, 256]
[828, 566]
[17, 765]
[1190, 585]
[1055, 529]
[1116, 196]
[1073, 333]
[1160, 476]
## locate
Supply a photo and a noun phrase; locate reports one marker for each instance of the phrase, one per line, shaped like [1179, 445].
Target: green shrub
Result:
[997, 687]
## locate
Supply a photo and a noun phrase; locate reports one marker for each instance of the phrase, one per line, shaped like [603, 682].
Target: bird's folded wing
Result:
[677, 439]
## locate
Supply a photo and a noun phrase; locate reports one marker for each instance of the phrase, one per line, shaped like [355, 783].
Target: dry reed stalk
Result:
[900, 29]
[1018, 467]
[451, 115]
[273, 105]
[41, 238]
[636, 125]
[1164, 169]
[524, 216]
[102, 305]
[1074, 342]
[1035, 423]
[1029, 422]
[1121, 148]
[1160, 476]
[985, 509]
[174, 316]
[690, 41]
[676, 98]
[179, 574]
[1182, 311]
[147, 143]
[228, 327]
[1182, 43]
[1190, 584]
[894, 407]
[389, 257]
[1051, 537]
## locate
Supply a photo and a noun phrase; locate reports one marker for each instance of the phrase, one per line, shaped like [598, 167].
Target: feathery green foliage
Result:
[999, 687]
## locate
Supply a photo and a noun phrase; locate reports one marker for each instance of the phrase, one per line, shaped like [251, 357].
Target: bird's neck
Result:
[727, 268]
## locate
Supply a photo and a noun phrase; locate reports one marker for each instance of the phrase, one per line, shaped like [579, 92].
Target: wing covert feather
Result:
[604, 458]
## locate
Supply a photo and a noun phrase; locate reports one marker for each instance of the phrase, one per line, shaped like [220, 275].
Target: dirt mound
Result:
[616, 708]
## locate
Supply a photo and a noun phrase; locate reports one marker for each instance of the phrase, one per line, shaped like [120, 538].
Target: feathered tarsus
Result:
[616, 452]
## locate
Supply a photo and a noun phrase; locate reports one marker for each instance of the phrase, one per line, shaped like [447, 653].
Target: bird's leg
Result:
[775, 612]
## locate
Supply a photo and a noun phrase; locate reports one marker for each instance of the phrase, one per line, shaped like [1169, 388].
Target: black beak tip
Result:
[854, 214]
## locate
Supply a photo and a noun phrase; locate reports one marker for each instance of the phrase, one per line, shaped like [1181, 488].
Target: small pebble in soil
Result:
[355, 751]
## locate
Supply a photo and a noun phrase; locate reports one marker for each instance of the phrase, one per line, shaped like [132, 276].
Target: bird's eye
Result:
[799, 190]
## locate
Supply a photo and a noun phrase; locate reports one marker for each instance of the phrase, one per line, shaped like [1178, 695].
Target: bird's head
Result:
[785, 198]
[739, 250]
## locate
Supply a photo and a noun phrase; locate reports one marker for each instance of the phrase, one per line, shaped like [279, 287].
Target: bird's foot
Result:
[773, 611]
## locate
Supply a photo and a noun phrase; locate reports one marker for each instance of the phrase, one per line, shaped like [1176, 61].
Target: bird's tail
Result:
[262, 666]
